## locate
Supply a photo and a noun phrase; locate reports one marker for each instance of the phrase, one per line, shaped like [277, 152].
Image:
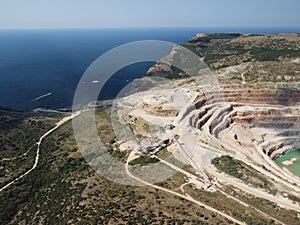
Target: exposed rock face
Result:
[232, 49]
[257, 113]
[247, 106]
[266, 115]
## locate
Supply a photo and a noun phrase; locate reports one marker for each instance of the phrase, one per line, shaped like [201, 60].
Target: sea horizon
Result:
[262, 30]
[36, 62]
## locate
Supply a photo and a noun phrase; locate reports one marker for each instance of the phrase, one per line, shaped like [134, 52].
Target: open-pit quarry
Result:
[252, 118]
[253, 125]
[213, 141]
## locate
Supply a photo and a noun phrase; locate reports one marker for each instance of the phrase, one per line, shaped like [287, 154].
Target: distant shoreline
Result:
[41, 70]
[252, 30]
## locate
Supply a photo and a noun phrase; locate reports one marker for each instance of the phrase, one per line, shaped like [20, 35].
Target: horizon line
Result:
[154, 27]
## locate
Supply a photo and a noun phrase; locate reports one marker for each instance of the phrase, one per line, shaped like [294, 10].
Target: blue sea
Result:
[41, 68]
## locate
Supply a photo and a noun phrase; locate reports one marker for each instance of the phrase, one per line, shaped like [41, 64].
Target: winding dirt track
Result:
[59, 124]
[193, 180]
[184, 196]
[68, 118]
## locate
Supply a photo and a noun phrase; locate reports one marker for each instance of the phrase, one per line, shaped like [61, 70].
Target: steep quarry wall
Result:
[273, 113]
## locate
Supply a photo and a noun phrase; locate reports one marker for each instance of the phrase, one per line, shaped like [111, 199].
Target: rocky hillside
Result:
[227, 135]
[274, 57]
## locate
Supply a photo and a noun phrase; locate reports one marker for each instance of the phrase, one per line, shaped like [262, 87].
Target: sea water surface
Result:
[41, 68]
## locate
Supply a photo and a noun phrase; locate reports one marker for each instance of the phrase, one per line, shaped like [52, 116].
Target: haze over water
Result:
[41, 68]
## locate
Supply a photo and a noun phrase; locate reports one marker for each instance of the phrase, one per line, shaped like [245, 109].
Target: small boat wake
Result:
[40, 97]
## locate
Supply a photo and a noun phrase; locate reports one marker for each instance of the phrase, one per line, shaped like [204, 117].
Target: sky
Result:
[35, 14]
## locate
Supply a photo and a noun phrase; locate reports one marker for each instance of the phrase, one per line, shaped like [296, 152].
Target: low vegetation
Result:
[143, 160]
[242, 171]
[223, 50]
[229, 206]
[63, 189]
[290, 217]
